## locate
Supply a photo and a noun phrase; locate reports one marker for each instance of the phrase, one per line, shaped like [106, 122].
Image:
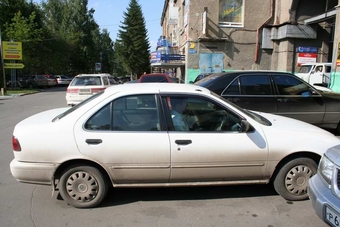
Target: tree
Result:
[132, 45]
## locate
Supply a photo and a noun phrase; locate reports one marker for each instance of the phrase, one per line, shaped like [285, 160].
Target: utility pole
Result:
[3, 89]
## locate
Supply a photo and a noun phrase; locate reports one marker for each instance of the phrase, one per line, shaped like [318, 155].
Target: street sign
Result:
[12, 50]
[98, 66]
[13, 65]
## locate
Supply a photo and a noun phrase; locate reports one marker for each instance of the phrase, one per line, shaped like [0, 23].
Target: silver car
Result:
[324, 188]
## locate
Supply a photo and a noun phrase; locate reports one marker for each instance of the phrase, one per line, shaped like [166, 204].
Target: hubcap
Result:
[296, 180]
[82, 186]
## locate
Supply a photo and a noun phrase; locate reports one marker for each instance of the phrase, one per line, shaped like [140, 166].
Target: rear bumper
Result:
[74, 99]
[35, 173]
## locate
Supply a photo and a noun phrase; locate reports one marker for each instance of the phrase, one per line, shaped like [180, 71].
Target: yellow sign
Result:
[14, 65]
[12, 50]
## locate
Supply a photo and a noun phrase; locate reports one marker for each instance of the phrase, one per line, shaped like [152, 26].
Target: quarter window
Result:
[233, 89]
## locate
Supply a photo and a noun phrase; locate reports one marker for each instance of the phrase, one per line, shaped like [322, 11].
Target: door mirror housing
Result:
[245, 126]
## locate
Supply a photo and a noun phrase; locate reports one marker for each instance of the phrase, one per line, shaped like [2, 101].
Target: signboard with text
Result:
[12, 50]
[306, 58]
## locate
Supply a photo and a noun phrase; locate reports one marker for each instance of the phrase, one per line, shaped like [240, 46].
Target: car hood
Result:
[292, 125]
[330, 94]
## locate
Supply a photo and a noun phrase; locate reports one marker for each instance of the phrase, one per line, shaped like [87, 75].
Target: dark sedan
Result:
[279, 93]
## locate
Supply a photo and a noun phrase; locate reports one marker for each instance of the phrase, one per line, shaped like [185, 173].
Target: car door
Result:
[213, 149]
[125, 137]
[316, 76]
[253, 92]
[297, 99]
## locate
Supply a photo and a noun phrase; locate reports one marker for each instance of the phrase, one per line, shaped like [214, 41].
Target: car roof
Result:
[238, 72]
[102, 74]
[156, 88]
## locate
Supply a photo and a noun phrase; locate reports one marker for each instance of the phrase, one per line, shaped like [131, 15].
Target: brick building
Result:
[222, 35]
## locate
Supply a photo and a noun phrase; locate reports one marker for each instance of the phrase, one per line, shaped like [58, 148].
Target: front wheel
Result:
[291, 181]
[83, 186]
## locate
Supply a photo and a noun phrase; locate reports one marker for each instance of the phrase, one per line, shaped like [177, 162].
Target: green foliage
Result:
[132, 46]
[62, 37]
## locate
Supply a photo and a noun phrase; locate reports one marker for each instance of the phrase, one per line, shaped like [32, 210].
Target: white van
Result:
[316, 73]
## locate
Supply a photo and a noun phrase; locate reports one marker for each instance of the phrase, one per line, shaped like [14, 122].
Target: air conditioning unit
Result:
[174, 37]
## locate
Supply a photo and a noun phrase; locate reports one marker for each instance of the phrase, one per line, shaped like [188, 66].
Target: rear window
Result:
[87, 81]
[155, 78]
[77, 106]
[41, 77]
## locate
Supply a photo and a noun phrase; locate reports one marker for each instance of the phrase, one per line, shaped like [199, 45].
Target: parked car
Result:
[324, 188]
[279, 93]
[223, 144]
[63, 80]
[33, 81]
[51, 80]
[155, 77]
[85, 85]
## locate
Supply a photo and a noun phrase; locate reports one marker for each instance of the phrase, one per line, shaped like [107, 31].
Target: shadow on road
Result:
[119, 196]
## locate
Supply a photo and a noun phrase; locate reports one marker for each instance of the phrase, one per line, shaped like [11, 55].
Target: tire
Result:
[83, 186]
[291, 182]
[30, 86]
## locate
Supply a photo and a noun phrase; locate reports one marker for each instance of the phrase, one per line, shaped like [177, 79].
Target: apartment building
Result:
[222, 35]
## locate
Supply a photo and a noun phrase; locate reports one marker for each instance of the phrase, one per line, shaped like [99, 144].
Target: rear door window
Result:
[255, 85]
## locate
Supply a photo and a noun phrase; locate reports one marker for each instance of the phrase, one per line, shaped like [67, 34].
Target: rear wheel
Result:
[291, 181]
[83, 186]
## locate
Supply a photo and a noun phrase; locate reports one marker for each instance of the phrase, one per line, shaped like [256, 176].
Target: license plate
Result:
[84, 91]
[332, 216]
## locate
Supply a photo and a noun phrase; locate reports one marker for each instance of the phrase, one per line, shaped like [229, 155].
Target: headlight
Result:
[326, 169]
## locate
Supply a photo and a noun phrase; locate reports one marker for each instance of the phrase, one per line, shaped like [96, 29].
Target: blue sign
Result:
[307, 50]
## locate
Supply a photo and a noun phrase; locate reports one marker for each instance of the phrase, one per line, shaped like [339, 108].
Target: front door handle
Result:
[93, 141]
[183, 142]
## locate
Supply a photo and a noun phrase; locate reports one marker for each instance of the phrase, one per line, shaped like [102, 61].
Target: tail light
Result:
[15, 144]
[72, 90]
[97, 90]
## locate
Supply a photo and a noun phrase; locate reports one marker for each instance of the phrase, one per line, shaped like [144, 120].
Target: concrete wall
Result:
[242, 46]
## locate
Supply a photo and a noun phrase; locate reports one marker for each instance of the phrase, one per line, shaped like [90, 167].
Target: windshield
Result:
[253, 115]
[305, 69]
[86, 81]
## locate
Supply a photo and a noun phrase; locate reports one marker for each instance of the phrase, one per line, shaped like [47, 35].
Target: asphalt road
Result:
[32, 205]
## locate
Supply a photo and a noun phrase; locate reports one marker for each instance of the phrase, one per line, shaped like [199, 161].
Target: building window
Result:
[231, 13]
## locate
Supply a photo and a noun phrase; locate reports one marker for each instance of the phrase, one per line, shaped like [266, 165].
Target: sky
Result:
[109, 14]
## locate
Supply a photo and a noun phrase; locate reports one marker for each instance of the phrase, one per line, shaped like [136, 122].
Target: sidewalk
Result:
[11, 96]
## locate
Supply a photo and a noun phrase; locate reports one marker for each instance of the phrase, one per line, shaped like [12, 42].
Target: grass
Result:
[21, 91]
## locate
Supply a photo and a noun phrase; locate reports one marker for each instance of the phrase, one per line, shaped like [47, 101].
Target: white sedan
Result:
[128, 136]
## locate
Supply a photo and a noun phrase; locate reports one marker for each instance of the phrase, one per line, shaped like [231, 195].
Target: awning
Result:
[167, 65]
[321, 17]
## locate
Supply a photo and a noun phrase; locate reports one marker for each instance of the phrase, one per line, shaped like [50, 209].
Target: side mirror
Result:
[245, 126]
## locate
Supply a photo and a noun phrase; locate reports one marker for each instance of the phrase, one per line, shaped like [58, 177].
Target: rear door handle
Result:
[183, 142]
[282, 100]
[93, 141]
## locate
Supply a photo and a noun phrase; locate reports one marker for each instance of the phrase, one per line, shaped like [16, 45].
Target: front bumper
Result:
[321, 195]
[35, 173]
